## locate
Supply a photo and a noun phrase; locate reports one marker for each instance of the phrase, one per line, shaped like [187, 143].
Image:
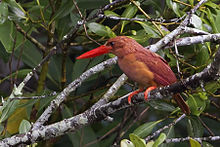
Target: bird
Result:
[140, 65]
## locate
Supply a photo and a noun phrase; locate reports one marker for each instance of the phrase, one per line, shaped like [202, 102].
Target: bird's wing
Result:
[163, 75]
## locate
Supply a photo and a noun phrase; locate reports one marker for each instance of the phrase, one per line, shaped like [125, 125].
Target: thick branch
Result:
[179, 30]
[70, 88]
[199, 139]
[195, 40]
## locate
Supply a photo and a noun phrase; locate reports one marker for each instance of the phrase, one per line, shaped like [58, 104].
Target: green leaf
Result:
[2, 128]
[129, 12]
[196, 22]
[54, 72]
[66, 112]
[162, 106]
[160, 140]
[169, 134]
[136, 140]
[217, 21]
[172, 59]
[212, 5]
[20, 74]
[111, 34]
[16, 10]
[3, 12]
[25, 126]
[8, 109]
[150, 144]
[155, 5]
[126, 143]
[203, 55]
[194, 143]
[191, 2]
[79, 67]
[146, 128]
[88, 4]
[88, 135]
[65, 9]
[101, 30]
[9, 34]
[202, 95]
[6, 30]
[197, 103]
[141, 37]
[98, 29]
[3, 54]
[174, 6]
[110, 13]
[212, 86]
[31, 56]
[206, 144]
[210, 17]
[64, 24]
[149, 29]
[194, 127]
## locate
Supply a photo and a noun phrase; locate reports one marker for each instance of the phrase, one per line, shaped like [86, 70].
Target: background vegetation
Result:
[61, 30]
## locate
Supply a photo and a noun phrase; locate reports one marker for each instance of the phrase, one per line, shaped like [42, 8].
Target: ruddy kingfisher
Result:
[146, 68]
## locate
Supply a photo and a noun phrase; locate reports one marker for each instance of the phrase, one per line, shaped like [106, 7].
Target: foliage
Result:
[47, 22]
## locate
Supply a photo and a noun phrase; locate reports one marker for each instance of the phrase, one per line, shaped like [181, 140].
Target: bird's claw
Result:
[147, 91]
[132, 94]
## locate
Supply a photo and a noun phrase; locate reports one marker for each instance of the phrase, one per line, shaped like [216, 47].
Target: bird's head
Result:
[119, 46]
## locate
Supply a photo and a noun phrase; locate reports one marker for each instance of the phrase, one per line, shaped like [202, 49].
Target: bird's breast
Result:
[136, 70]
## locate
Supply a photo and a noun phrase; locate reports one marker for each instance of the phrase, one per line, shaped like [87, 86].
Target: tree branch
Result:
[30, 38]
[157, 20]
[179, 30]
[199, 139]
[194, 40]
[165, 127]
[70, 88]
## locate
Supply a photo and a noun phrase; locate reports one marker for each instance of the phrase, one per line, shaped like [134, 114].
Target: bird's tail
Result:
[181, 103]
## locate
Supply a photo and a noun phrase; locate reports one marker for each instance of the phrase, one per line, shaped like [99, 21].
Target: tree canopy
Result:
[50, 98]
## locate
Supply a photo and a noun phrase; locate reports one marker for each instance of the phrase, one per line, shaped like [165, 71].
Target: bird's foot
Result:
[148, 90]
[132, 94]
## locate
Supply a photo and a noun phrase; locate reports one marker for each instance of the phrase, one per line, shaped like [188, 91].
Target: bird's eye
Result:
[112, 43]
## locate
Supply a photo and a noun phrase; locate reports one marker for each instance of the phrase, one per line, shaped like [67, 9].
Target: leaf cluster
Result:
[46, 23]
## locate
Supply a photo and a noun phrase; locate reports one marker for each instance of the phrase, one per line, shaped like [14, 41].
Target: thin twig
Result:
[156, 20]
[207, 128]
[177, 59]
[30, 38]
[84, 25]
[147, 16]
[34, 97]
[165, 127]
[211, 116]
